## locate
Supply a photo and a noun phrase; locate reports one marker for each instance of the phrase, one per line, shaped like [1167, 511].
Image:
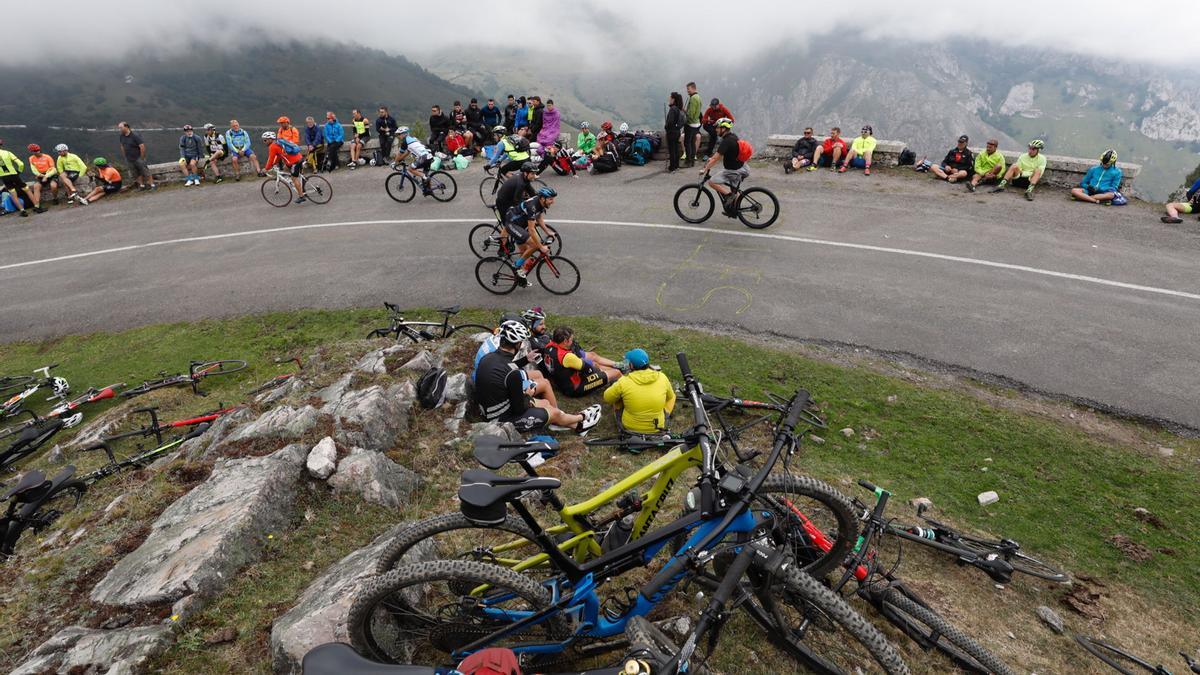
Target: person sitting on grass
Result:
[573, 371]
[861, 149]
[110, 180]
[989, 166]
[830, 152]
[644, 397]
[501, 390]
[958, 163]
[536, 385]
[1026, 171]
[1192, 205]
[802, 152]
[1101, 182]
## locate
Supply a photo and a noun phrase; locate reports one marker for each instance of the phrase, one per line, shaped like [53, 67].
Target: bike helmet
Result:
[210, 126]
[401, 131]
[61, 147]
[268, 135]
[187, 127]
[529, 167]
[724, 123]
[607, 126]
[1037, 143]
[100, 161]
[624, 127]
[547, 192]
[499, 129]
[34, 147]
[584, 125]
[60, 386]
[534, 147]
[283, 120]
[1109, 157]
[533, 315]
[513, 332]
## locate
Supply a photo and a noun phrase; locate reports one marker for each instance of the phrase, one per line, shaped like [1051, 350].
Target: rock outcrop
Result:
[376, 478]
[76, 650]
[372, 418]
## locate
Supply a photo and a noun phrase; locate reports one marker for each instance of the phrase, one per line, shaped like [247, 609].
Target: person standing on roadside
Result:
[335, 136]
[134, 150]
[510, 113]
[674, 123]
[385, 124]
[691, 137]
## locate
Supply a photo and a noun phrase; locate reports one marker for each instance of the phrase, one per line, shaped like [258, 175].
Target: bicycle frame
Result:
[115, 467]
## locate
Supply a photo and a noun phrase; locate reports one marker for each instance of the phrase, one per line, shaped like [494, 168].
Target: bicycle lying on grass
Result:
[197, 371]
[33, 436]
[278, 380]
[92, 395]
[140, 458]
[756, 207]
[35, 503]
[401, 185]
[421, 331]
[14, 404]
[1126, 663]
[156, 428]
[279, 191]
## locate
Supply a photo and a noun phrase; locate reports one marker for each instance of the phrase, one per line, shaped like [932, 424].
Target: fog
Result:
[1152, 31]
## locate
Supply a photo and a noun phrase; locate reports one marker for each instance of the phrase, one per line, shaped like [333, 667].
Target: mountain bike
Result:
[35, 503]
[756, 207]
[456, 607]
[401, 185]
[32, 437]
[1126, 663]
[278, 380]
[13, 404]
[421, 331]
[140, 458]
[197, 371]
[485, 240]
[490, 185]
[278, 191]
[497, 274]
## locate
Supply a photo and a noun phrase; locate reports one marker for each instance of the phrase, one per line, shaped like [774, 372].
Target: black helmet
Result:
[529, 167]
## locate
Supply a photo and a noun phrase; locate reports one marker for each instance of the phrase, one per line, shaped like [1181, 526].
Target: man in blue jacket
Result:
[314, 143]
[1192, 205]
[335, 136]
[1100, 183]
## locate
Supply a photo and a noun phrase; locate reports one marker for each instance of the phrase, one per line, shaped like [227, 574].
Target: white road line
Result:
[654, 226]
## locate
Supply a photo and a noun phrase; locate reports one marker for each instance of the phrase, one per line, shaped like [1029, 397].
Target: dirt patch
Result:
[1132, 550]
[1084, 598]
[187, 475]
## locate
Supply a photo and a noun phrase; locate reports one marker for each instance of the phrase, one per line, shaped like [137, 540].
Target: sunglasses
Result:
[808, 132]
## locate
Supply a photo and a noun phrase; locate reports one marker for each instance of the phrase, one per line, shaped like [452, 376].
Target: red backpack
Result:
[745, 150]
[493, 661]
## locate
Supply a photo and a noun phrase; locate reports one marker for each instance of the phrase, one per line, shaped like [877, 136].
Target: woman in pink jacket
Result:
[551, 121]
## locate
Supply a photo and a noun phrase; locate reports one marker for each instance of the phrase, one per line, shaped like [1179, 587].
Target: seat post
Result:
[562, 560]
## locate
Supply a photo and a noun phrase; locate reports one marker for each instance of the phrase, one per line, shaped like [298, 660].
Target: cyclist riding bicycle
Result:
[422, 158]
[521, 225]
[733, 170]
[514, 151]
[288, 155]
[515, 189]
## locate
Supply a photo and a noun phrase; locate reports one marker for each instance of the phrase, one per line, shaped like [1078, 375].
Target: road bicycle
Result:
[156, 428]
[422, 331]
[33, 436]
[140, 458]
[279, 190]
[401, 185]
[756, 207]
[1126, 663]
[10, 381]
[197, 371]
[92, 395]
[486, 240]
[456, 607]
[278, 380]
[490, 185]
[35, 503]
[498, 273]
[14, 404]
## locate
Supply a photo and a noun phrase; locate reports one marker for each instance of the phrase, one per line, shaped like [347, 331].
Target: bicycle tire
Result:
[562, 274]
[770, 204]
[223, 367]
[275, 195]
[420, 536]
[487, 191]
[1115, 657]
[384, 610]
[444, 192]
[400, 187]
[703, 201]
[496, 275]
[642, 633]
[484, 239]
[928, 628]
[11, 381]
[838, 639]
[1020, 562]
[841, 512]
[477, 327]
[317, 189]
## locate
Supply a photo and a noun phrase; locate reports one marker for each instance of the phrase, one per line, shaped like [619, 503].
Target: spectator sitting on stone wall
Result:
[237, 140]
[708, 121]
[214, 147]
[861, 149]
[1027, 171]
[1101, 182]
[957, 164]
[989, 166]
[314, 144]
[830, 152]
[1192, 205]
[802, 152]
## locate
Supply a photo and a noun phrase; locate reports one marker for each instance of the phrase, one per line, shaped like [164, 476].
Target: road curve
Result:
[1097, 304]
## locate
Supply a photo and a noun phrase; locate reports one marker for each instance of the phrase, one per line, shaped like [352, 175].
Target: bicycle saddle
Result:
[454, 309]
[29, 481]
[34, 433]
[494, 452]
[338, 658]
[482, 494]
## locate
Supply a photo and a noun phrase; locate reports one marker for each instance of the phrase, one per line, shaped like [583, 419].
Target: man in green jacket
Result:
[10, 176]
[691, 129]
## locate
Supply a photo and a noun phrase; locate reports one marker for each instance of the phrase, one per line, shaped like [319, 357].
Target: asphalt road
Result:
[1095, 303]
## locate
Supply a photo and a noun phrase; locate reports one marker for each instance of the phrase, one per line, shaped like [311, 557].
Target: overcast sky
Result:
[1157, 31]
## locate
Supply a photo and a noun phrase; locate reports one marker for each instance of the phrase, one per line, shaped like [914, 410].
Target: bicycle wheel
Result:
[757, 208]
[817, 628]
[800, 505]
[694, 203]
[558, 275]
[929, 629]
[13, 381]
[278, 193]
[1019, 561]
[214, 368]
[413, 613]
[1119, 659]
[487, 191]
[450, 536]
[317, 189]
[442, 186]
[496, 275]
[642, 634]
[484, 239]
[400, 187]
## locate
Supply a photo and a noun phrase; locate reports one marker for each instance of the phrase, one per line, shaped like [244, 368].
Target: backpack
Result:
[522, 144]
[745, 150]
[431, 388]
[907, 157]
[492, 661]
[287, 146]
[605, 163]
[377, 158]
[640, 151]
[461, 162]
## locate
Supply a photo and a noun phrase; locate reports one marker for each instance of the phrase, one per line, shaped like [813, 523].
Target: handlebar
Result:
[391, 308]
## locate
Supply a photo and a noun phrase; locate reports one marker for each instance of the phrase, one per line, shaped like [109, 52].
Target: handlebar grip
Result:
[868, 485]
[799, 403]
[200, 429]
[684, 369]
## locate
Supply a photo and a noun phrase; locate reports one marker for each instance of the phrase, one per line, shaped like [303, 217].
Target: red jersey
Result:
[276, 154]
[827, 146]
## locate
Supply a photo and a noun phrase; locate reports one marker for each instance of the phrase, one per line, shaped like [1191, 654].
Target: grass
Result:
[1069, 481]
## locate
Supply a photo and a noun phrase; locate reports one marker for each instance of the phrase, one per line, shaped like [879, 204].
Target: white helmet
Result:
[535, 146]
[401, 131]
[60, 386]
[61, 147]
[624, 127]
[499, 129]
[513, 332]
[268, 135]
[584, 125]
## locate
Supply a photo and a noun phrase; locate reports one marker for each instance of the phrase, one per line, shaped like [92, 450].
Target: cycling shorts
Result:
[12, 181]
[528, 419]
[731, 177]
[71, 175]
[295, 169]
[1190, 207]
[588, 383]
[516, 234]
[423, 163]
[241, 153]
[47, 180]
[112, 188]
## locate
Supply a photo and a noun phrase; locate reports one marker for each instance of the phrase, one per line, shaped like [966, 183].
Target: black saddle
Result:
[496, 451]
[453, 309]
[30, 481]
[36, 434]
[33, 498]
[482, 494]
[338, 658]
